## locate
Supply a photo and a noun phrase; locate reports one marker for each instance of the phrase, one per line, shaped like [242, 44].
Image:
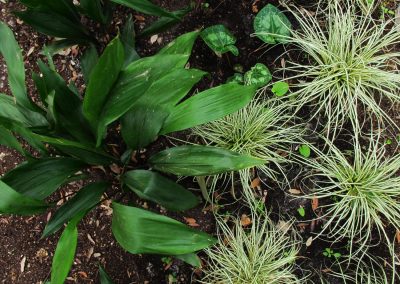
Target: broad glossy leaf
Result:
[271, 25]
[58, 45]
[88, 62]
[67, 105]
[102, 79]
[190, 258]
[86, 198]
[164, 23]
[7, 139]
[11, 52]
[259, 76]
[64, 254]
[40, 178]
[25, 133]
[201, 161]
[84, 152]
[207, 106]
[13, 202]
[181, 45]
[133, 83]
[140, 231]
[53, 24]
[142, 123]
[104, 278]
[94, 9]
[65, 8]
[145, 7]
[18, 113]
[220, 39]
[154, 187]
[128, 38]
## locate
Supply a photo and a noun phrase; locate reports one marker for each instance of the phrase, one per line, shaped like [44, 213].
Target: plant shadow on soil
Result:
[20, 236]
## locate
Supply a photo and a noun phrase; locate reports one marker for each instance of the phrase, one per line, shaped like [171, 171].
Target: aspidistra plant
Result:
[147, 96]
[63, 18]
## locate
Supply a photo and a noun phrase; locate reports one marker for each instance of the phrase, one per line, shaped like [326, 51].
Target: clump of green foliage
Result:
[260, 254]
[362, 189]
[146, 96]
[349, 69]
[263, 129]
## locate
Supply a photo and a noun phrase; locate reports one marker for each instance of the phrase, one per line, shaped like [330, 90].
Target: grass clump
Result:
[361, 192]
[260, 254]
[347, 65]
[262, 129]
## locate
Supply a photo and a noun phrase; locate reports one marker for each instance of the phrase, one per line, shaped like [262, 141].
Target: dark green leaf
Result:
[18, 113]
[201, 161]
[64, 8]
[13, 202]
[220, 39]
[258, 76]
[11, 52]
[7, 139]
[53, 24]
[271, 25]
[132, 85]
[190, 258]
[104, 278]
[84, 152]
[140, 231]
[164, 23]
[147, 116]
[94, 9]
[182, 45]
[88, 62]
[40, 178]
[25, 133]
[67, 105]
[83, 201]
[146, 7]
[128, 38]
[154, 187]
[102, 79]
[208, 105]
[64, 254]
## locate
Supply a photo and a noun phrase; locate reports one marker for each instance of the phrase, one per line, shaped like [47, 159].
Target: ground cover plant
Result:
[78, 139]
[117, 149]
[347, 65]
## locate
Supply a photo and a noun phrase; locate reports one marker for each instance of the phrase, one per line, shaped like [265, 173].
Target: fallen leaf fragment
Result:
[23, 261]
[309, 241]
[245, 220]
[139, 18]
[255, 183]
[314, 203]
[191, 222]
[294, 191]
[398, 236]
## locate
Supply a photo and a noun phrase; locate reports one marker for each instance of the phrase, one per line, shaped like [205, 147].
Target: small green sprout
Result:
[280, 89]
[302, 211]
[305, 151]
[328, 252]
[388, 141]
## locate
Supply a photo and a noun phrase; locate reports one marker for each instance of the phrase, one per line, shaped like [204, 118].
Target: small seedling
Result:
[328, 252]
[167, 260]
[388, 141]
[301, 211]
[280, 89]
[305, 151]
